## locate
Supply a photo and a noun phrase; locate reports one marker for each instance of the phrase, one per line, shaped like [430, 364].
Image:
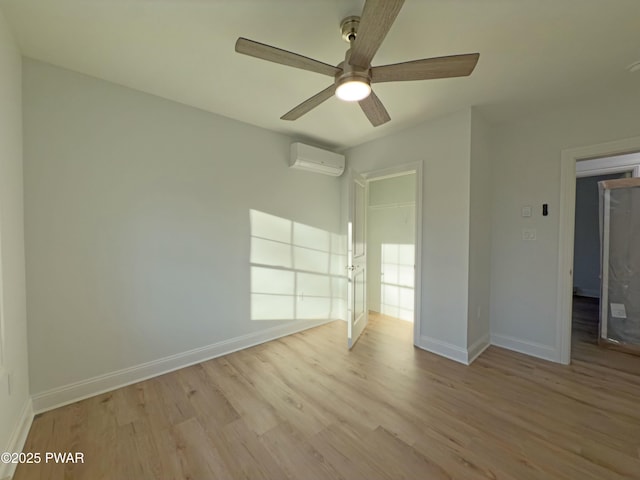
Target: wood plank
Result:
[243, 453]
[198, 457]
[297, 457]
[258, 414]
[209, 403]
[621, 183]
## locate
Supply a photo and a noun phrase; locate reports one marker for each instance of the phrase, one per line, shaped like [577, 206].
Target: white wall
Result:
[390, 220]
[479, 236]
[137, 224]
[444, 148]
[14, 407]
[526, 171]
[392, 190]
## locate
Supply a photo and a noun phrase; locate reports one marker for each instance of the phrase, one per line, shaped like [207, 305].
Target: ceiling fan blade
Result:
[426, 69]
[374, 110]
[376, 20]
[309, 104]
[277, 55]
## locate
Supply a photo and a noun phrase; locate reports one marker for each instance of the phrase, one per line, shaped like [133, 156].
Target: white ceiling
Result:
[534, 54]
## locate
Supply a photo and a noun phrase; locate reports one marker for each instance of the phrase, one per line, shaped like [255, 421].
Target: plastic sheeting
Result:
[620, 261]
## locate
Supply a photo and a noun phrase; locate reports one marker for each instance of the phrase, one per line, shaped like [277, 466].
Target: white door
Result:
[357, 259]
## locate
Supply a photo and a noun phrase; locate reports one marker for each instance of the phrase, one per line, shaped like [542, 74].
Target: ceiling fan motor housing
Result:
[352, 72]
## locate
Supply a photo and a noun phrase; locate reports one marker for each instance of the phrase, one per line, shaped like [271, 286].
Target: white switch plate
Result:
[618, 310]
[528, 234]
[526, 211]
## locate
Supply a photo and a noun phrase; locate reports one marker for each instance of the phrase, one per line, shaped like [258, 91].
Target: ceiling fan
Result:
[353, 77]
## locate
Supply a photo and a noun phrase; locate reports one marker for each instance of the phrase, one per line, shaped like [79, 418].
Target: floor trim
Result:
[523, 346]
[475, 350]
[74, 392]
[18, 439]
[444, 349]
[453, 352]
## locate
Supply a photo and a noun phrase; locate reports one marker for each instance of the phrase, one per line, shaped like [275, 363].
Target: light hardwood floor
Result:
[302, 407]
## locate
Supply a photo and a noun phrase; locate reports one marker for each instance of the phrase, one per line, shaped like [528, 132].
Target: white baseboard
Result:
[74, 392]
[18, 438]
[454, 352]
[523, 346]
[475, 350]
[444, 349]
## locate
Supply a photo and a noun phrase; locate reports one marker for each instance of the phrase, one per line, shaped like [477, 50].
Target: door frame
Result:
[397, 170]
[567, 209]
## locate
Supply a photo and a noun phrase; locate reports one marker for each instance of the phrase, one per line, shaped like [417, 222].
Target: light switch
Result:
[526, 211]
[528, 234]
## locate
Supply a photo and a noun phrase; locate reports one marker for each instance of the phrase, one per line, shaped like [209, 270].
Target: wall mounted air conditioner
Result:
[313, 159]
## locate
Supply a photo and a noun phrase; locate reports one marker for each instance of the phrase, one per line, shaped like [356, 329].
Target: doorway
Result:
[393, 239]
[606, 158]
[391, 224]
[586, 261]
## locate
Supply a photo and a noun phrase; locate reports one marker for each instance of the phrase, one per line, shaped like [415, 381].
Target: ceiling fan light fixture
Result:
[353, 89]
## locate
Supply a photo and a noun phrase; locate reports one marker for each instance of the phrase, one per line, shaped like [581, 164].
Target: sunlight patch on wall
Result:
[297, 271]
[397, 285]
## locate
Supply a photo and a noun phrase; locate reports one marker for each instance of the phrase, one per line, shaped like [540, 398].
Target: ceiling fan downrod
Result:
[349, 28]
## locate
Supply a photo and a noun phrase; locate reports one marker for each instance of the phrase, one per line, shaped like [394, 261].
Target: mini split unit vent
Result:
[313, 159]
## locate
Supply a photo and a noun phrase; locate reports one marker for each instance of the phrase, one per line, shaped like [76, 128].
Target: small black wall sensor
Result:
[545, 209]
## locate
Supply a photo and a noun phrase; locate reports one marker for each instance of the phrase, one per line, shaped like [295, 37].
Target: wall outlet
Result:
[528, 234]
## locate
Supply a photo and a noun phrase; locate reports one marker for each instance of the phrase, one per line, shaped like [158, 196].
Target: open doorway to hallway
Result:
[586, 259]
[622, 155]
[585, 324]
[391, 243]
